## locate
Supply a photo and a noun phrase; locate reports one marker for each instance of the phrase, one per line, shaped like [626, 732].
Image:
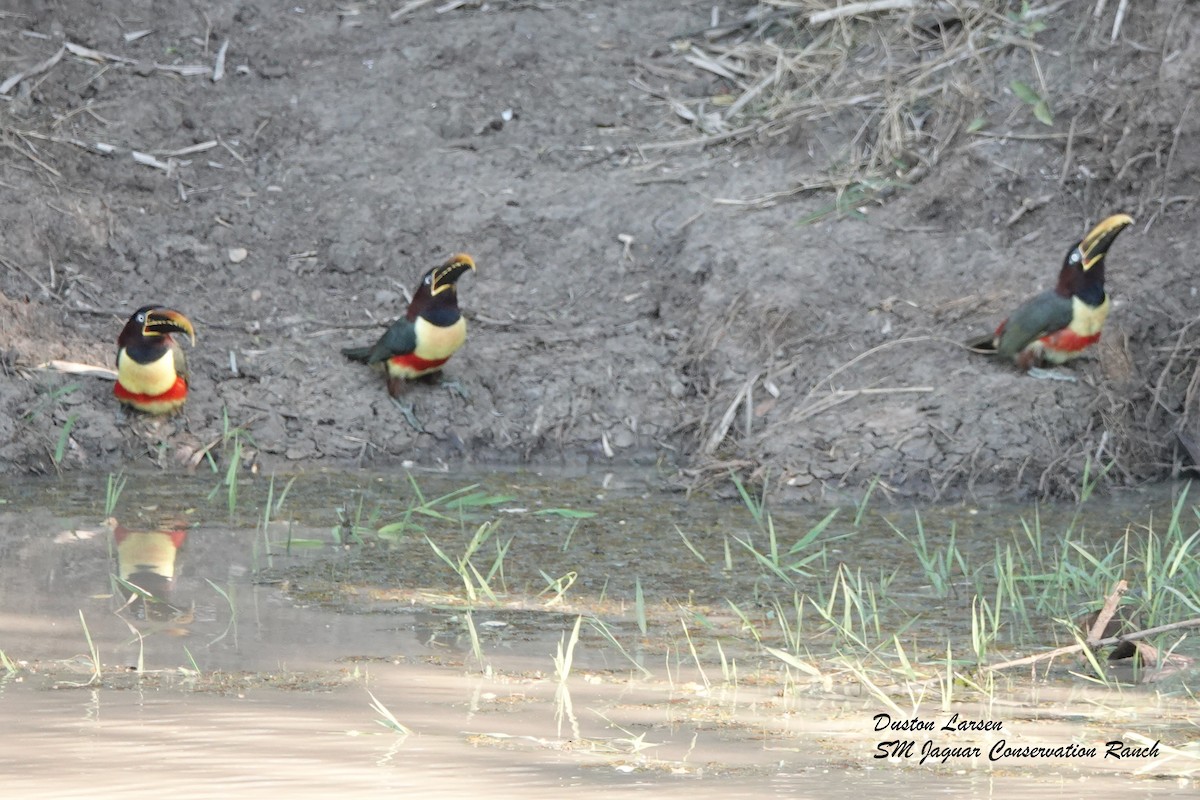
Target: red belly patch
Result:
[121, 533]
[169, 400]
[413, 366]
[1067, 343]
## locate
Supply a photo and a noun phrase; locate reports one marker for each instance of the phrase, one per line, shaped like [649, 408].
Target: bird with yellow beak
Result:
[1060, 323]
[152, 372]
[432, 330]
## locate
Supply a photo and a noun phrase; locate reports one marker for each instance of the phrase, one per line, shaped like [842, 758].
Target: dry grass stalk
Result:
[36, 69]
[1122, 7]
[33, 158]
[854, 9]
[722, 429]
[218, 71]
[839, 396]
[76, 368]
[408, 8]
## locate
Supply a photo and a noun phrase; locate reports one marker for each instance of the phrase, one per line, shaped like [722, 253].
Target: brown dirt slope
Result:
[623, 311]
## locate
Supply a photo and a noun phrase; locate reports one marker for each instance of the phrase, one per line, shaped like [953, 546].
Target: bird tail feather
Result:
[360, 354]
[983, 344]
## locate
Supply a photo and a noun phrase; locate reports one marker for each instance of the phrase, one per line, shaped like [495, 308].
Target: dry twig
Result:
[1076, 648]
[218, 71]
[854, 9]
[1106, 613]
[76, 368]
[408, 8]
[37, 69]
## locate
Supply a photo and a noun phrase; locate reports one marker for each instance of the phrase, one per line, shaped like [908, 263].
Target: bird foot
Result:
[1051, 375]
[411, 418]
[458, 389]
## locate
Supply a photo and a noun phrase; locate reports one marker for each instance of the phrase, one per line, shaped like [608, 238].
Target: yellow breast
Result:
[435, 342]
[151, 379]
[149, 551]
[1086, 320]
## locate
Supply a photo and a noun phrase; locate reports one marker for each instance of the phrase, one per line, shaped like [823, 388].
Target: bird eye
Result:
[1075, 257]
[141, 317]
[429, 278]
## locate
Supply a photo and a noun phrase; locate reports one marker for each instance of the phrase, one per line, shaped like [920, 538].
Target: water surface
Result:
[255, 667]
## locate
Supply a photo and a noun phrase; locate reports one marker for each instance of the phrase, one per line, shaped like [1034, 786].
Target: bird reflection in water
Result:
[147, 561]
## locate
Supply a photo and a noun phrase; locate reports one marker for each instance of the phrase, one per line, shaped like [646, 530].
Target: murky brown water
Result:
[255, 670]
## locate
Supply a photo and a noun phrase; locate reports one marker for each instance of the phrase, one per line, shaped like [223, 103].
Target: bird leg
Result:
[457, 388]
[409, 416]
[396, 387]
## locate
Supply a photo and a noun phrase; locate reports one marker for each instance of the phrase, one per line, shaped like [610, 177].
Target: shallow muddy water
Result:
[255, 665]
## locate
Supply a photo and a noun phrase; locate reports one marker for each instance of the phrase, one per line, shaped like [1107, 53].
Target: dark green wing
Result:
[399, 340]
[357, 353]
[1043, 314]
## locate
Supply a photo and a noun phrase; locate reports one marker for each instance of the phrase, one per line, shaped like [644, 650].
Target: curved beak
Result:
[161, 321]
[1100, 238]
[448, 274]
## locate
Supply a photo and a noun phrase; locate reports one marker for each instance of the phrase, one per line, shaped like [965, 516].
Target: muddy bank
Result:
[619, 314]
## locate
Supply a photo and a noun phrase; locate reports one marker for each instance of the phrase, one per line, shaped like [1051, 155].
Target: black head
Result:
[150, 324]
[1083, 267]
[438, 287]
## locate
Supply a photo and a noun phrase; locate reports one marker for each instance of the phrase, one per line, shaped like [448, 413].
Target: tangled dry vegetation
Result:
[877, 91]
[880, 94]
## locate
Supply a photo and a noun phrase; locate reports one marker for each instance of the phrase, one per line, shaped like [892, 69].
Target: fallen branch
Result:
[1076, 648]
[1106, 613]
[75, 368]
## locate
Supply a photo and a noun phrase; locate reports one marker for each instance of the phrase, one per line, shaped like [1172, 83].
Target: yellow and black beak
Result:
[1100, 238]
[161, 321]
[448, 274]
